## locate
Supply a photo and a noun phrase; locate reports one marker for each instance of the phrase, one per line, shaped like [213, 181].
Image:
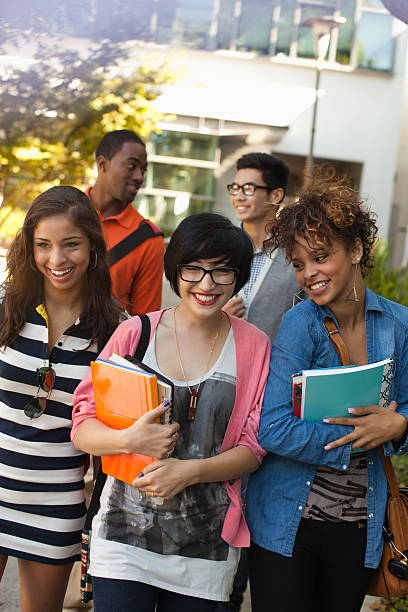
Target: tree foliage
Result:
[54, 112]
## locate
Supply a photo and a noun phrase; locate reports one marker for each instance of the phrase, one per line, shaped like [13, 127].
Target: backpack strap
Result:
[101, 477]
[133, 240]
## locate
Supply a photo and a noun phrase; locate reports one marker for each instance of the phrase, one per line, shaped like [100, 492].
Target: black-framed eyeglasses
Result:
[45, 379]
[219, 276]
[248, 189]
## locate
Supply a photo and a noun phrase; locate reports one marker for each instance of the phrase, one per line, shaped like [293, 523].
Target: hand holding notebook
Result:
[126, 396]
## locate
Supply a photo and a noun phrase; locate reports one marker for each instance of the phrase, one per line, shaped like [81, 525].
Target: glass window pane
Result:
[192, 146]
[167, 212]
[255, 25]
[376, 44]
[192, 22]
[225, 23]
[345, 39]
[285, 27]
[181, 178]
[166, 11]
[373, 4]
[112, 20]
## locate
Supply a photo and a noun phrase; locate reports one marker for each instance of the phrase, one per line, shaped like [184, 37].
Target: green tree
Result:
[53, 113]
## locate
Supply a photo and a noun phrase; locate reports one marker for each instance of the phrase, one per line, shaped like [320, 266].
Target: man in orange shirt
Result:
[135, 245]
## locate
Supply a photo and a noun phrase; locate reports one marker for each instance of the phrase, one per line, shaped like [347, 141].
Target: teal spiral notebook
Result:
[330, 392]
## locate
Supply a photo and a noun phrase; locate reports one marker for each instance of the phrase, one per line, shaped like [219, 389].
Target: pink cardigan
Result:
[252, 366]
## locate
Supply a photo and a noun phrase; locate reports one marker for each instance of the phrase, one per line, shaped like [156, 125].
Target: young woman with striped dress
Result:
[56, 311]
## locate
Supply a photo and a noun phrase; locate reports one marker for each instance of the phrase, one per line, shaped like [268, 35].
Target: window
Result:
[191, 146]
[373, 4]
[346, 32]
[192, 22]
[255, 26]
[285, 25]
[165, 15]
[180, 177]
[225, 24]
[260, 26]
[168, 211]
[376, 46]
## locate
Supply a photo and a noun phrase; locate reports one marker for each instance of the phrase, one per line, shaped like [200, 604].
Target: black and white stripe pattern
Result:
[41, 473]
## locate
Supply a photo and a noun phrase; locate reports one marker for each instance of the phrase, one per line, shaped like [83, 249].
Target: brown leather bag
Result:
[383, 583]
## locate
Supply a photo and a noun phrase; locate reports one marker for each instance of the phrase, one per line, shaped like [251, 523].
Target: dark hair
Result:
[327, 209]
[112, 142]
[208, 236]
[24, 280]
[275, 173]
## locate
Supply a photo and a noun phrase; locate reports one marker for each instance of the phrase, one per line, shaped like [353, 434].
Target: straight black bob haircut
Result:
[208, 236]
[113, 142]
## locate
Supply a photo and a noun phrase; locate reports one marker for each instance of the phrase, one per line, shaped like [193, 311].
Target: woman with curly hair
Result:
[315, 510]
[56, 314]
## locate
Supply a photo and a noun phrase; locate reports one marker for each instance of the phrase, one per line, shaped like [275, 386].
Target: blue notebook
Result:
[330, 392]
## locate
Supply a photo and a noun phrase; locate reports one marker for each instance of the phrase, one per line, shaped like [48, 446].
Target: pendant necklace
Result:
[193, 392]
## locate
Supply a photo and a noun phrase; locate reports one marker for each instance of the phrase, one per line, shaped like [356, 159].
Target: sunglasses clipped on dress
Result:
[45, 379]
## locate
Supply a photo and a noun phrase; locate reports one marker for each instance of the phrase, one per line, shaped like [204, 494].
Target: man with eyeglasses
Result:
[257, 193]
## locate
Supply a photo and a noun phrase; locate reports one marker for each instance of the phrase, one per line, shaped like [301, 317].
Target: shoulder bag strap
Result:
[335, 337]
[133, 240]
[101, 477]
[342, 352]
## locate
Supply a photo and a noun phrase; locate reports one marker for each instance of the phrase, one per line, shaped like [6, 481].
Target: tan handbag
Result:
[394, 583]
[390, 579]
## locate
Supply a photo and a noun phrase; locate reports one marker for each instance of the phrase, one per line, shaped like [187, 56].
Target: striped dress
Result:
[41, 473]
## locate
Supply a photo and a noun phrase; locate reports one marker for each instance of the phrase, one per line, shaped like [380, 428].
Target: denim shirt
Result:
[278, 490]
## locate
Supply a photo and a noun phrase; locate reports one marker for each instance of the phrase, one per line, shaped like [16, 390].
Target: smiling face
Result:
[250, 208]
[61, 253]
[205, 298]
[327, 275]
[123, 175]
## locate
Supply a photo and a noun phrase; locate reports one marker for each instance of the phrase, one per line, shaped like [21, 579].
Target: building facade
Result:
[248, 75]
[249, 84]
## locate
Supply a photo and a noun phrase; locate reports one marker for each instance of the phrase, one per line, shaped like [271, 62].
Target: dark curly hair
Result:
[327, 209]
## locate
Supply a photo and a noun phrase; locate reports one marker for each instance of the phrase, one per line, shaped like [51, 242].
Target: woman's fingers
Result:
[380, 425]
[164, 478]
[361, 411]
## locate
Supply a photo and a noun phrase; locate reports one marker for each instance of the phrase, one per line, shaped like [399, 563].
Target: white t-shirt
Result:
[175, 544]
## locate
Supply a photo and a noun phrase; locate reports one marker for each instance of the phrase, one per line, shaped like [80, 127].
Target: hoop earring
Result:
[96, 260]
[353, 297]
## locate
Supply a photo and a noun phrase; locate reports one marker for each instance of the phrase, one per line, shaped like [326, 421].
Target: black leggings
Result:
[111, 595]
[325, 574]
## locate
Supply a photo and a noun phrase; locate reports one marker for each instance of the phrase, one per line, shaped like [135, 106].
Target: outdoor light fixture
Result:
[321, 28]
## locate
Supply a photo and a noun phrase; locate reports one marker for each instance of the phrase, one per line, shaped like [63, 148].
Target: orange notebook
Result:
[124, 392]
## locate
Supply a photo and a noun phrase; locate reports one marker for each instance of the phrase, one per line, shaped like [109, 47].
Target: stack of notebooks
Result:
[124, 390]
[324, 393]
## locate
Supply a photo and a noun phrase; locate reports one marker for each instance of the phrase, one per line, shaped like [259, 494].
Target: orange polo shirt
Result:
[137, 277]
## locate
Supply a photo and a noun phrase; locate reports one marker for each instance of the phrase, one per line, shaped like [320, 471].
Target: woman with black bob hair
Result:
[172, 540]
[209, 235]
